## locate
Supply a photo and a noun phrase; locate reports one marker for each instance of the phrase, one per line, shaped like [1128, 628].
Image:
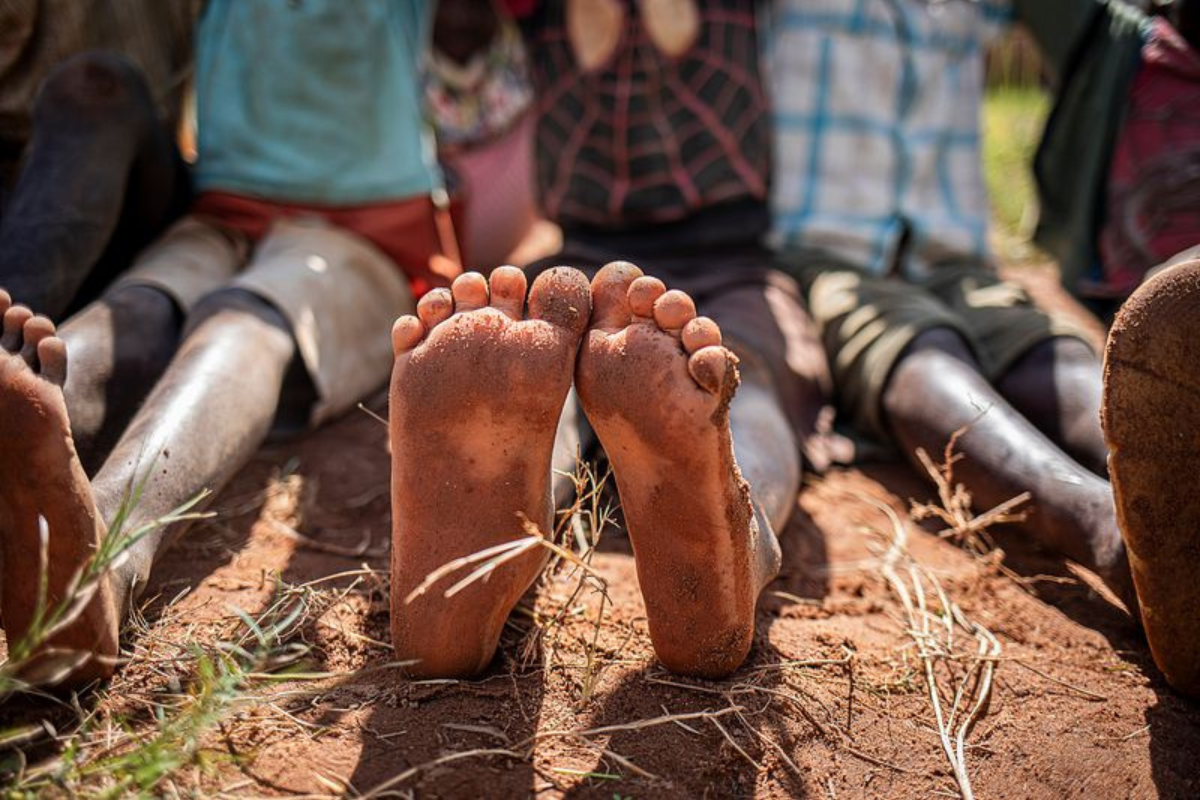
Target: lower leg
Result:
[1057, 387]
[119, 345]
[99, 161]
[935, 389]
[201, 423]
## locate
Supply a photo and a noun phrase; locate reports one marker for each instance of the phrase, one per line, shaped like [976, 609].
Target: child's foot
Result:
[1151, 417]
[476, 394]
[41, 475]
[656, 384]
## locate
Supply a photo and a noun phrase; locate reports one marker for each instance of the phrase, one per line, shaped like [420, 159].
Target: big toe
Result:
[715, 369]
[610, 295]
[562, 297]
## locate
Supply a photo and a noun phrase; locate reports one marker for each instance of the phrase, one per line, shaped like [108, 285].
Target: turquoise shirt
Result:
[312, 101]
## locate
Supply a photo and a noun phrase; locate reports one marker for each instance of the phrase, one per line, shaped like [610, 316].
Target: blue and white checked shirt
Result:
[877, 129]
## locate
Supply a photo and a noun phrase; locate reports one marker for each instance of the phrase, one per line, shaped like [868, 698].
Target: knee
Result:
[930, 353]
[236, 310]
[93, 83]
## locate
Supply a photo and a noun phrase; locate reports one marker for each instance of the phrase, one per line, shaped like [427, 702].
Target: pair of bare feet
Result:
[477, 391]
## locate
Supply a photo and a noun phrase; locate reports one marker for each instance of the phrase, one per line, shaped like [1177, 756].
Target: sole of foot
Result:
[1151, 418]
[656, 384]
[41, 476]
[477, 390]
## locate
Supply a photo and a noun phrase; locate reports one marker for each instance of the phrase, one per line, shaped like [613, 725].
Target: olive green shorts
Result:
[866, 321]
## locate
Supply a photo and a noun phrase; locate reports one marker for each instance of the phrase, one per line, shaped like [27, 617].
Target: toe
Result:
[470, 292]
[14, 324]
[5, 302]
[435, 307]
[714, 368]
[35, 330]
[562, 297]
[406, 334]
[643, 293]
[52, 356]
[699, 333]
[610, 294]
[673, 310]
[508, 286]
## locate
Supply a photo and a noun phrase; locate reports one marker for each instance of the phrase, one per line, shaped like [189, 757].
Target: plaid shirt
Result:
[877, 128]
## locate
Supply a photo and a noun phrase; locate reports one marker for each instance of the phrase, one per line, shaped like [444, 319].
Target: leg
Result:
[1057, 387]
[1152, 420]
[477, 393]
[656, 385]
[229, 336]
[119, 345]
[102, 178]
[935, 389]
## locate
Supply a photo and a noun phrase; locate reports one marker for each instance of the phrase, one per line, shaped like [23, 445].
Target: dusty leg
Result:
[201, 423]
[476, 396]
[656, 385]
[102, 178]
[1152, 422]
[119, 345]
[935, 389]
[1057, 387]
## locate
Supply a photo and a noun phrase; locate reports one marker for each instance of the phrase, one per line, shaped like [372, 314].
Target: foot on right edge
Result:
[1151, 417]
[656, 384]
[477, 390]
[40, 475]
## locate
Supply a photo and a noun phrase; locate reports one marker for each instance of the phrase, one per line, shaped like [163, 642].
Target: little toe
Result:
[508, 285]
[52, 357]
[14, 325]
[643, 293]
[610, 294]
[562, 297]
[435, 307]
[714, 369]
[470, 292]
[35, 330]
[406, 334]
[699, 333]
[673, 310]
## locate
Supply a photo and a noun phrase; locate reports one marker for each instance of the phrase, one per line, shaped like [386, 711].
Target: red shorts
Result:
[407, 231]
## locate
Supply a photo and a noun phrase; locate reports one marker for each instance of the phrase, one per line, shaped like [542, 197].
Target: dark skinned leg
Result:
[228, 336]
[119, 347]
[936, 389]
[1057, 387]
[102, 178]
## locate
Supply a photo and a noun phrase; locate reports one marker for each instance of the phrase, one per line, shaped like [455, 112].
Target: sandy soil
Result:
[832, 703]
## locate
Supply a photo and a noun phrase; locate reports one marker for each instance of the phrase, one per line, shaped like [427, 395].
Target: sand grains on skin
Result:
[476, 394]
[40, 475]
[656, 384]
[1151, 417]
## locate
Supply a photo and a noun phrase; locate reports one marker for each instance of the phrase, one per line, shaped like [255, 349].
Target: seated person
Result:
[1117, 170]
[652, 145]
[880, 209]
[308, 237]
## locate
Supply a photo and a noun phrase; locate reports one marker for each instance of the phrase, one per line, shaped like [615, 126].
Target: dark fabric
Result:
[1094, 47]
[762, 319]
[649, 138]
[101, 179]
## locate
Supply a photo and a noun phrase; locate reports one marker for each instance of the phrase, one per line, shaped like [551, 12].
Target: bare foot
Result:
[476, 394]
[656, 384]
[1151, 417]
[40, 474]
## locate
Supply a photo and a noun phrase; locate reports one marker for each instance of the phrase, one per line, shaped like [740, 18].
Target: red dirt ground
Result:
[1077, 709]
